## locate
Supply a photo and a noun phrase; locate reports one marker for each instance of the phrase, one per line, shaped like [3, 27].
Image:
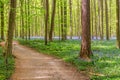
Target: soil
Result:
[32, 65]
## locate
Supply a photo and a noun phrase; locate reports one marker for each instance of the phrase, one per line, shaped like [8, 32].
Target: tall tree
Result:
[85, 52]
[118, 23]
[78, 18]
[2, 19]
[102, 20]
[99, 18]
[11, 25]
[28, 19]
[107, 24]
[65, 20]
[62, 17]
[46, 20]
[71, 24]
[22, 18]
[95, 21]
[52, 20]
[110, 16]
[92, 19]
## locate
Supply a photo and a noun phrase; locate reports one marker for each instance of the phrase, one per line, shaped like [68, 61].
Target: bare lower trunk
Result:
[85, 52]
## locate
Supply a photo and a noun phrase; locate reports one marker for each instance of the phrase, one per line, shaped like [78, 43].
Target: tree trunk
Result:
[62, 23]
[118, 23]
[110, 4]
[65, 21]
[96, 31]
[10, 32]
[86, 52]
[22, 19]
[102, 20]
[107, 24]
[52, 20]
[99, 18]
[92, 19]
[71, 26]
[2, 19]
[28, 19]
[46, 21]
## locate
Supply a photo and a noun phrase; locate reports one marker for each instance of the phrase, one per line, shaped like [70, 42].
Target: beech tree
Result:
[46, 20]
[22, 19]
[118, 22]
[2, 19]
[11, 26]
[102, 20]
[52, 20]
[71, 24]
[107, 24]
[85, 52]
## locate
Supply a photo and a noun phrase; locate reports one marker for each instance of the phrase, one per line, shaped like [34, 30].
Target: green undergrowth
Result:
[4, 73]
[105, 62]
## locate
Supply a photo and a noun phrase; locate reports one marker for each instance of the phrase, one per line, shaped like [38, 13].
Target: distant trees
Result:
[61, 18]
[85, 52]
[31, 21]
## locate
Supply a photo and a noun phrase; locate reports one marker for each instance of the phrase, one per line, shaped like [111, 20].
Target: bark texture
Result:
[85, 52]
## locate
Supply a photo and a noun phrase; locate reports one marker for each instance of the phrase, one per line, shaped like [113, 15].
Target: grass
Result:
[4, 74]
[106, 59]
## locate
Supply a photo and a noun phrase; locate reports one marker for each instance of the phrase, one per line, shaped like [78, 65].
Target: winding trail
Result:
[32, 65]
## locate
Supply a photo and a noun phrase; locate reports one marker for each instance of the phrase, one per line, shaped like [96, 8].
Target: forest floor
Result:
[32, 65]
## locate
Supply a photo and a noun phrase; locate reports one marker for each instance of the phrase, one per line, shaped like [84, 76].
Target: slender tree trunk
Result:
[102, 20]
[46, 21]
[86, 52]
[2, 19]
[99, 18]
[22, 19]
[118, 23]
[52, 20]
[78, 18]
[36, 19]
[107, 24]
[110, 4]
[71, 24]
[96, 31]
[62, 23]
[28, 19]
[59, 16]
[65, 21]
[92, 19]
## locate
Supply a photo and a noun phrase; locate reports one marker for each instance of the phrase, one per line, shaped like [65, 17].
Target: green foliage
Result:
[105, 62]
[4, 74]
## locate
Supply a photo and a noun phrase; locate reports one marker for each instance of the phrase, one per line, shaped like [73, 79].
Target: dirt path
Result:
[31, 65]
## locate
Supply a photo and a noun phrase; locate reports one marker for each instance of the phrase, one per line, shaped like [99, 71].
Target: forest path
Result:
[32, 65]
